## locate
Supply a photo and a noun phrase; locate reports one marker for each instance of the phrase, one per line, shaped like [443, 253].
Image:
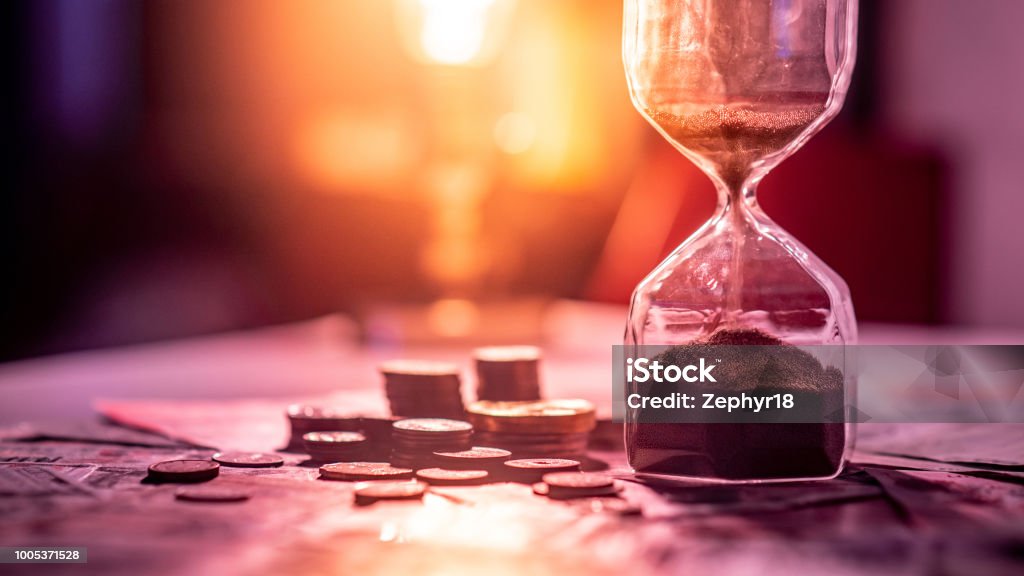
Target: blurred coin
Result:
[372, 491]
[508, 373]
[184, 471]
[558, 493]
[540, 417]
[437, 426]
[506, 353]
[442, 477]
[353, 471]
[418, 368]
[577, 480]
[333, 437]
[532, 469]
[475, 458]
[578, 485]
[248, 459]
[544, 465]
[210, 494]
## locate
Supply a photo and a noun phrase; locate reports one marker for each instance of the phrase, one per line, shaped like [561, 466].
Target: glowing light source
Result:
[452, 32]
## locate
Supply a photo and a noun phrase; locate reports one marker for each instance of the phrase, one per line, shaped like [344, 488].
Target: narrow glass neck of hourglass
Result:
[735, 198]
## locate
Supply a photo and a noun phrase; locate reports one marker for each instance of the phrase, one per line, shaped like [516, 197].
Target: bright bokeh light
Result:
[453, 30]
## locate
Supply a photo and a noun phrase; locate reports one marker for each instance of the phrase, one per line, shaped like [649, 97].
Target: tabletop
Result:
[77, 433]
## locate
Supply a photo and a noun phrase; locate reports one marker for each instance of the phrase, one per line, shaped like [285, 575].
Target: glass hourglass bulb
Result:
[737, 86]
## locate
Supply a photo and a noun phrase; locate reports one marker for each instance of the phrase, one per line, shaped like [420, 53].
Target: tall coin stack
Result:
[423, 389]
[508, 373]
[542, 429]
[416, 439]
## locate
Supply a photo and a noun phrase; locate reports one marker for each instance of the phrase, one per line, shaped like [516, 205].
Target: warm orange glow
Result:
[345, 152]
[453, 317]
[453, 32]
[515, 133]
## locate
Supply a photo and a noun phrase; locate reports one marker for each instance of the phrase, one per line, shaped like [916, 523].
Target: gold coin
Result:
[533, 417]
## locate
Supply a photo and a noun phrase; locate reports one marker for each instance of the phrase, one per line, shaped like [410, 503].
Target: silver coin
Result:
[248, 459]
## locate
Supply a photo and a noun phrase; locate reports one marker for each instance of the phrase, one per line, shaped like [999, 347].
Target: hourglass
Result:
[737, 86]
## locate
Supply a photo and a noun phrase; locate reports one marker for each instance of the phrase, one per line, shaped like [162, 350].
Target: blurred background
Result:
[184, 167]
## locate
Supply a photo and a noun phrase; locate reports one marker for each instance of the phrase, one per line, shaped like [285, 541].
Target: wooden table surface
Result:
[68, 478]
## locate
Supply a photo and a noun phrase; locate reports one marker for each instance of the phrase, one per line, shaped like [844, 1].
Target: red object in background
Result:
[872, 209]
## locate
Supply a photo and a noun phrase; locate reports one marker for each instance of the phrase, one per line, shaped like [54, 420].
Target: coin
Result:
[577, 480]
[540, 417]
[569, 446]
[334, 437]
[578, 485]
[184, 471]
[442, 477]
[473, 459]
[305, 418]
[423, 388]
[210, 494]
[418, 368]
[352, 471]
[248, 459]
[532, 469]
[367, 492]
[508, 373]
[335, 446]
[544, 464]
[432, 426]
[544, 489]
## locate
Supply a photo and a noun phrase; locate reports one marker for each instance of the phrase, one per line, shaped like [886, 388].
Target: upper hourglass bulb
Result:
[737, 85]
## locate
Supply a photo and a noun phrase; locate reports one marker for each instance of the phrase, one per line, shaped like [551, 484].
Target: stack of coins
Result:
[415, 440]
[543, 429]
[423, 389]
[306, 418]
[335, 446]
[508, 373]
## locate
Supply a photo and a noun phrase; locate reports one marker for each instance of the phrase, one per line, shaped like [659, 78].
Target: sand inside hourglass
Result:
[731, 137]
